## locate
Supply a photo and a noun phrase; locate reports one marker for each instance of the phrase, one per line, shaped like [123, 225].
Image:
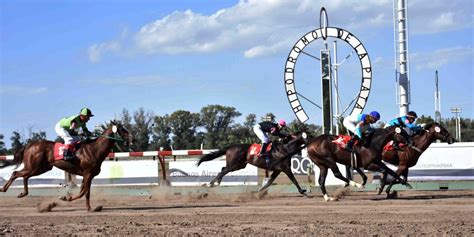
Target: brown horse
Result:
[237, 158]
[325, 154]
[38, 158]
[408, 156]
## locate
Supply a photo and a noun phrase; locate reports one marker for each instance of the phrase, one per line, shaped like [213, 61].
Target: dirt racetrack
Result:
[357, 213]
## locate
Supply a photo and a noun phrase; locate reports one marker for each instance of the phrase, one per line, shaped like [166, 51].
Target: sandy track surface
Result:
[356, 213]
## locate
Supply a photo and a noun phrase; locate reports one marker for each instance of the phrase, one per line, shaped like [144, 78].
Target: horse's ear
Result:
[113, 122]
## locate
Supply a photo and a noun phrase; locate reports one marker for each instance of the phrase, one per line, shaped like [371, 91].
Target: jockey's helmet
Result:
[375, 115]
[86, 112]
[282, 122]
[412, 114]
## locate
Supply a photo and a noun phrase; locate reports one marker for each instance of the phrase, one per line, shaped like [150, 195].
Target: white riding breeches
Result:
[260, 134]
[64, 134]
[350, 122]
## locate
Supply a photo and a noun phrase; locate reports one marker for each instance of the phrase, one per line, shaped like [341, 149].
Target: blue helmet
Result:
[375, 115]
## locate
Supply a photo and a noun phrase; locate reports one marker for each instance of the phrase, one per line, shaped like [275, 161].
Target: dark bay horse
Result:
[237, 158]
[38, 158]
[325, 154]
[408, 156]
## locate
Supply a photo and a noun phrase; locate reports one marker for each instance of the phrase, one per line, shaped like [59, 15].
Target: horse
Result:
[325, 154]
[408, 156]
[38, 158]
[237, 157]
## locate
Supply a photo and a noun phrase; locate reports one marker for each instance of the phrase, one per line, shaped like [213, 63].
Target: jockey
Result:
[358, 125]
[67, 128]
[263, 129]
[406, 122]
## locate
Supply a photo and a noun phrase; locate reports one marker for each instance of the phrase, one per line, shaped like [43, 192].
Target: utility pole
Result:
[456, 111]
[437, 101]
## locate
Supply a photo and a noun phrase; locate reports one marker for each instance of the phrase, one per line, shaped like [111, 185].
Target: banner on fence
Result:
[127, 172]
[52, 178]
[186, 173]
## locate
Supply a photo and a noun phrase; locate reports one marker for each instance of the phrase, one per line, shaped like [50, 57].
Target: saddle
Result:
[255, 149]
[60, 149]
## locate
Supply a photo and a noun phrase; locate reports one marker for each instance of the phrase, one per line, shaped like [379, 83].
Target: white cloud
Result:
[96, 51]
[21, 90]
[436, 16]
[266, 27]
[257, 28]
[438, 58]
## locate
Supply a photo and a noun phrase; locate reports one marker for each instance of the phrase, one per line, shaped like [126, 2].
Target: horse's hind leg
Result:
[362, 175]
[270, 181]
[323, 172]
[16, 174]
[293, 179]
[337, 173]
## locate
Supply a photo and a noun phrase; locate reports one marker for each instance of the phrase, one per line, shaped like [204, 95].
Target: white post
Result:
[336, 85]
[403, 52]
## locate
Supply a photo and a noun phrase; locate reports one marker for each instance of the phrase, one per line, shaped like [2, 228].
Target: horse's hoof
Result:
[379, 191]
[329, 199]
[409, 186]
[65, 198]
[21, 195]
[392, 195]
[302, 191]
[98, 209]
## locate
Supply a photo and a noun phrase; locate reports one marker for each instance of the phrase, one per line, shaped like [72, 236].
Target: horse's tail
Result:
[17, 159]
[212, 155]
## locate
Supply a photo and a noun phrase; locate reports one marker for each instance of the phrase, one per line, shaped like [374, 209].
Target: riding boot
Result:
[263, 151]
[350, 144]
[69, 154]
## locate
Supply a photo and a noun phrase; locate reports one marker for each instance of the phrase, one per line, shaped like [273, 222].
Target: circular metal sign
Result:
[323, 33]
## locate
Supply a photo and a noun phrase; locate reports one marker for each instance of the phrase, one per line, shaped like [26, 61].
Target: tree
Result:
[161, 131]
[16, 142]
[141, 129]
[3, 149]
[217, 121]
[184, 126]
[36, 136]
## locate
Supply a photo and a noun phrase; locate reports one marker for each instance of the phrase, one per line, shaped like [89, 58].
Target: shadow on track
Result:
[427, 197]
[141, 208]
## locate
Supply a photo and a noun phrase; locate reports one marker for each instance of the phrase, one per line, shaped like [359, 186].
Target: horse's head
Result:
[439, 132]
[118, 131]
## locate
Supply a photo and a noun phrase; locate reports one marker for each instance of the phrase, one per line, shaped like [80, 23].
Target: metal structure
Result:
[401, 55]
[457, 111]
[299, 48]
[437, 101]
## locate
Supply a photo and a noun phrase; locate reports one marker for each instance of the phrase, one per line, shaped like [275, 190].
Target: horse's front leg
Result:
[392, 173]
[85, 187]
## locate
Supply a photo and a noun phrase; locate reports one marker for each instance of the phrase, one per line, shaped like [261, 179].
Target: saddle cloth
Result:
[389, 146]
[254, 149]
[342, 140]
[60, 149]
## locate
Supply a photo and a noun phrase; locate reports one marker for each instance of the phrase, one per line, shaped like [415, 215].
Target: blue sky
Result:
[59, 56]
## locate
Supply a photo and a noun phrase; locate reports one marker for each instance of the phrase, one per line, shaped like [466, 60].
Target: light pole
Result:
[456, 111]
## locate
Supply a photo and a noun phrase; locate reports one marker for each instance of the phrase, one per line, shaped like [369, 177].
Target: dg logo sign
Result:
[300, 165]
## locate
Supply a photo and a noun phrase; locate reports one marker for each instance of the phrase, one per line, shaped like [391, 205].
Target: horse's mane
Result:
[89, 140]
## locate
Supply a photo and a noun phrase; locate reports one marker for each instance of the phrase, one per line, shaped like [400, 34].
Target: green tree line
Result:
[212, 128]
